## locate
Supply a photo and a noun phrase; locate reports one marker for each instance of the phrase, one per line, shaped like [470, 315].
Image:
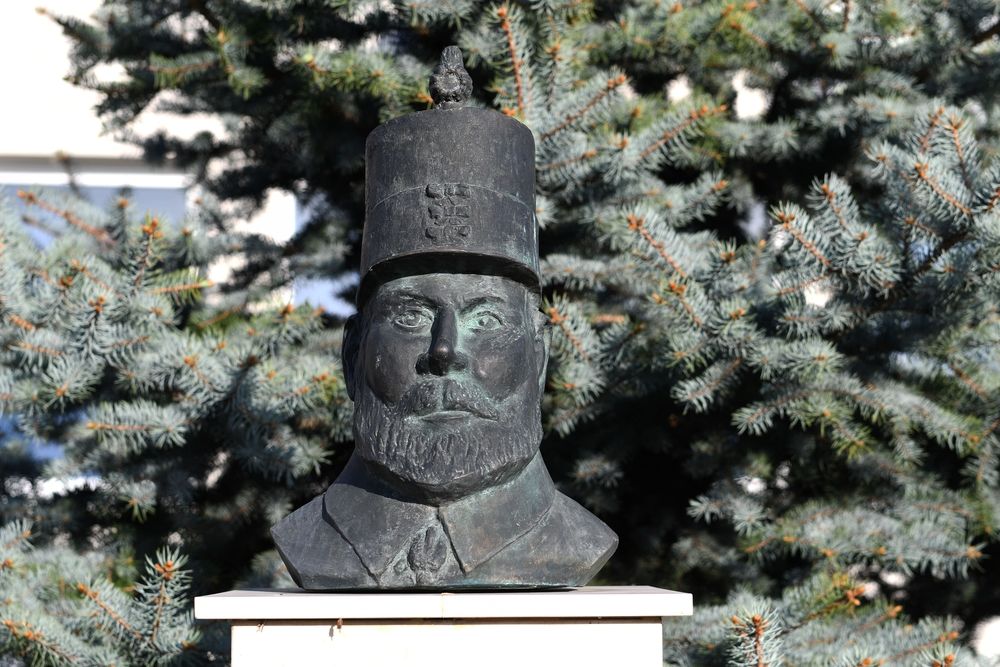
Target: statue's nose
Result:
[443, 355]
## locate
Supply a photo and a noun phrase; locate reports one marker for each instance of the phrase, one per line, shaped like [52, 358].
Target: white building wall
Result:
[42, 116]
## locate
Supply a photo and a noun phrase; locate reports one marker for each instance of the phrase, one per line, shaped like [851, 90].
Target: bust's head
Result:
[447, 371]
[446, 358]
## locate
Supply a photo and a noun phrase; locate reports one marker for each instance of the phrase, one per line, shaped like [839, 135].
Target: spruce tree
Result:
[182, 423]
[793, 417]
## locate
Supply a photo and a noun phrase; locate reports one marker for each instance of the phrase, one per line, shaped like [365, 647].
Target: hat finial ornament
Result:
[450, 84]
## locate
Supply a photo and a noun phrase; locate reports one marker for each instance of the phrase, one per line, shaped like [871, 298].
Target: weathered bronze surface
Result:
[445, 362]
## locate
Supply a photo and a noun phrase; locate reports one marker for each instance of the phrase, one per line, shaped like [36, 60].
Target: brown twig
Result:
[638, 225]
[798, 287]
[786, 220]
[954, 124]
[831, 198]
[30, 347]
[560, 321]
[925, 140]
[171, 289]
[31, 198]
[104, 426]
[95, 597]
[727, 372]
[968, 381]
[611, 85]
[24, 630]
[693, 117]
[678, 290]
[588, 154]
[503, 13]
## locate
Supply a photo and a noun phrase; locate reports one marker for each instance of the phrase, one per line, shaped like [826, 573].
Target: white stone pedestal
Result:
[583, 627]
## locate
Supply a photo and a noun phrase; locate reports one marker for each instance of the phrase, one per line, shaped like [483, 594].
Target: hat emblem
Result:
[449, 211]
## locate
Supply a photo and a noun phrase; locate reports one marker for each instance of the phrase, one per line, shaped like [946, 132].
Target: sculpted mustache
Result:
[427, 397]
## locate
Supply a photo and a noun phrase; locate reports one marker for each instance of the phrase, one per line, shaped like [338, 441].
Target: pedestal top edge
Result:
[584, 602]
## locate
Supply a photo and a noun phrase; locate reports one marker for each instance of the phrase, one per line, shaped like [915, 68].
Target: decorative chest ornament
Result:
[445, 361]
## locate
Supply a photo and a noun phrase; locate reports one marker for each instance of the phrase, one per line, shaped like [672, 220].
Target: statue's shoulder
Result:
[315, 553]
[567, 547]
[570, 528]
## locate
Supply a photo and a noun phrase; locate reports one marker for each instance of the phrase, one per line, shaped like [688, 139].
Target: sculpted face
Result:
[446, 372]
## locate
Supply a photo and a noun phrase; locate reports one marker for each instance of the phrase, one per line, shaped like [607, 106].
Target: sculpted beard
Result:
[449, 459]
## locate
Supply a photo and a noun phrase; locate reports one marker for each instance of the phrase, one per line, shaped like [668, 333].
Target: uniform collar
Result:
[379, 522]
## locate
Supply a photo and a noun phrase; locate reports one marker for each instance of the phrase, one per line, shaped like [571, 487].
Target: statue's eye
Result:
[483, 320]
[412, 320]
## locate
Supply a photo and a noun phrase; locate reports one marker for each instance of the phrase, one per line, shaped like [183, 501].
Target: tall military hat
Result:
[450, 189]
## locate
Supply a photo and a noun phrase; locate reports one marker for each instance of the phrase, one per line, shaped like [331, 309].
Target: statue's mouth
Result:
[447, 415]
[446, 401]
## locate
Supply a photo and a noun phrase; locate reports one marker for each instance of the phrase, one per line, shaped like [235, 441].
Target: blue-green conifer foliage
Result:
[775, 366]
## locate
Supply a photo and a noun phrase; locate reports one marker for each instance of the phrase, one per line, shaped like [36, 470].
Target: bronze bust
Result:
[445, 362]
